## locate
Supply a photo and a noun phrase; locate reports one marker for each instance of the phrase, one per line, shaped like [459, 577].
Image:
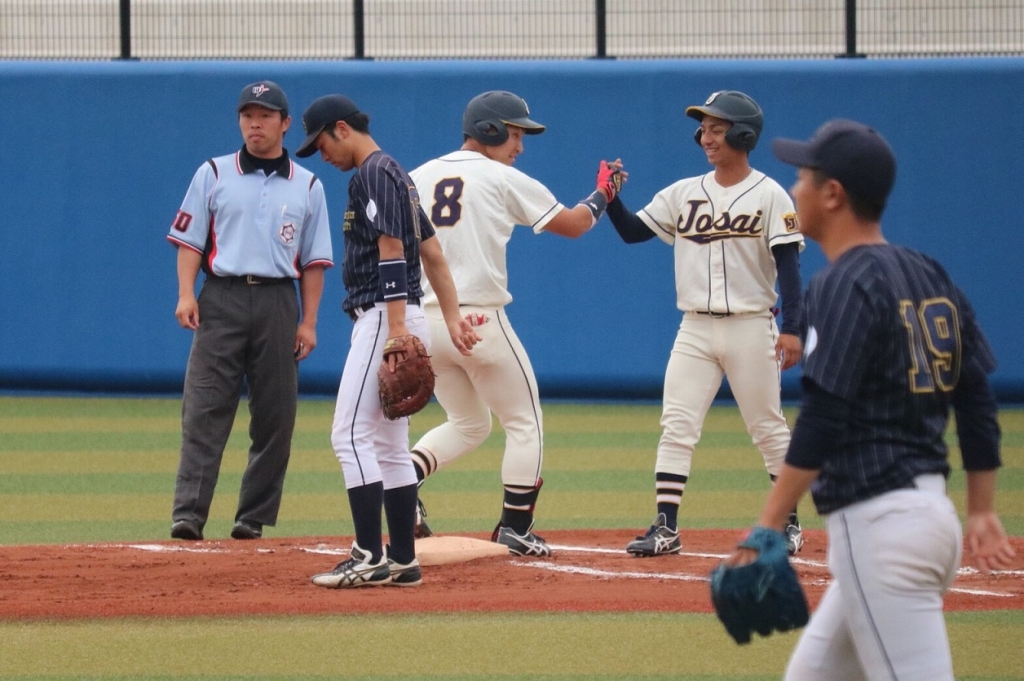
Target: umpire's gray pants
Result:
[244, 331]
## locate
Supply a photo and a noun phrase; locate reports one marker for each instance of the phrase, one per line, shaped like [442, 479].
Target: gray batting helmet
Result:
[731, 105]
[487, 115]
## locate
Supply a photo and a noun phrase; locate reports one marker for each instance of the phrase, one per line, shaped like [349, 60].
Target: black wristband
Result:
[596, 203]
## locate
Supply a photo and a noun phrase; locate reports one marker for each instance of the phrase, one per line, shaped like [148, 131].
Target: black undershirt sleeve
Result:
[787, 263]
[630, 227]
[977, 427]
[818, 427]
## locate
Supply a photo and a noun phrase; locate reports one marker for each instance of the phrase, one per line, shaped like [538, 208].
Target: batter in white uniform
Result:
[734, 231]
[475, 198]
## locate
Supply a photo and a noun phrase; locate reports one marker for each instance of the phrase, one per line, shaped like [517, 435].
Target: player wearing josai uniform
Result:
[386, 239]
[254, 222]
[734, 231]
[475, 198]
[890, 344]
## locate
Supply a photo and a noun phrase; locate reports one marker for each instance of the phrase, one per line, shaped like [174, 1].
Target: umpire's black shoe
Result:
[186, 529]
[246, 530]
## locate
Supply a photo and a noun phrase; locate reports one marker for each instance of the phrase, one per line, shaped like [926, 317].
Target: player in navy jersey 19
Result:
[387, 239]
[890, 344]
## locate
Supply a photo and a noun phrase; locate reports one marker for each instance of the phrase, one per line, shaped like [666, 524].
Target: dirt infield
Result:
[589, 571]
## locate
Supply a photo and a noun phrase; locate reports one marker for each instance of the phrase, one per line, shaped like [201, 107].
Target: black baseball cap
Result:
[850, 152]
[265, 93]
[323, 112]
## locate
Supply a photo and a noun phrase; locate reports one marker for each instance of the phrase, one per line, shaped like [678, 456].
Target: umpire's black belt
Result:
[252, 279]
[359, 310]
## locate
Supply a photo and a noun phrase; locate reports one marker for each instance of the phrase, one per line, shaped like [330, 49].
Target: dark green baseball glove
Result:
[763, 596]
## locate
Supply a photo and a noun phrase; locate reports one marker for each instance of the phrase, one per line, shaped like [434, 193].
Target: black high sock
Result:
[517, 509]
[424, 463]
[669, 489]
[365, 502]
[400, 511]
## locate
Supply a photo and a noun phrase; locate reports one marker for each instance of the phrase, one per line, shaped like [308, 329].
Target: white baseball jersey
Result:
[723, 238]
[474, 204]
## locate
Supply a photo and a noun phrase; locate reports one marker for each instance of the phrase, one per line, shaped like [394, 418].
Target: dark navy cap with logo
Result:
[850, 152]
[323, 112]
[265, 93]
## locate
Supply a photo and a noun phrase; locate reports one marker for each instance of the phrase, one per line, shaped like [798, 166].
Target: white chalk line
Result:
[964, 571]
[606, 574]
[580, 570]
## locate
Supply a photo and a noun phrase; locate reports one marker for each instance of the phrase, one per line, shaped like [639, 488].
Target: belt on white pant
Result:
[934, 483]
[363, 309]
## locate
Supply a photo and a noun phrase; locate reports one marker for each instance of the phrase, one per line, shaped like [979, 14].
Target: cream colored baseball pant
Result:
[741, 347]
[892, 558]
[370, 447]
[497, 378]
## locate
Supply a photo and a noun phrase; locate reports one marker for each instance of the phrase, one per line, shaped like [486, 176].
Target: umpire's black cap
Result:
[323, 112]
[850, 152]
[265, 93]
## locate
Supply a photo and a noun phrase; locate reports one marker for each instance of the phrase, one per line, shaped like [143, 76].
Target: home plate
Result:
[451, 549]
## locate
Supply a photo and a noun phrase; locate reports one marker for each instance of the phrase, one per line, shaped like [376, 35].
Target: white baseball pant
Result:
[370, 447]
[706, 349]
[497, 378]
[892, 558]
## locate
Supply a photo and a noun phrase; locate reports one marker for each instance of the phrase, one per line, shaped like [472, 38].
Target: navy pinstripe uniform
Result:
[894, 338]
[890, 344]
[255, 222]
[383, 229]
[380, 182]
[373, 451]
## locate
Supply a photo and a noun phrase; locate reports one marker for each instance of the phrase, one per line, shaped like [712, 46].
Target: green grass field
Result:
[94, 470]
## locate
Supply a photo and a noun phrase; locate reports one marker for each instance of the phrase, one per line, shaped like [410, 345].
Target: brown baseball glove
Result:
[405, 389]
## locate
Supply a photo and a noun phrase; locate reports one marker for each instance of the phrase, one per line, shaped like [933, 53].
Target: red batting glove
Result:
[609, 180]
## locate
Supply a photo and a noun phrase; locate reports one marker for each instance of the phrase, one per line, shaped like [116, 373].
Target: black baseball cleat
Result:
[659, 540]
[358, 570]
[528, 544]
[403, 574]
[794, 536]
[422, 529]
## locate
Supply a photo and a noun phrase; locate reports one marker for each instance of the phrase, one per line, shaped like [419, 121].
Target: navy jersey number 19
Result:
[933, 331]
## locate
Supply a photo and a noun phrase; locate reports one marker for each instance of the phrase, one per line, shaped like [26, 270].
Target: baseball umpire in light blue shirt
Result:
[254, 222]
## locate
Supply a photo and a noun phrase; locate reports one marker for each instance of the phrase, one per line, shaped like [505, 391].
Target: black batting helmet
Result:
[487, 115]
[738, 108]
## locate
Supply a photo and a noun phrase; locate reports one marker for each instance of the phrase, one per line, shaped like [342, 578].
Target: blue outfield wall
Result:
[99, 156]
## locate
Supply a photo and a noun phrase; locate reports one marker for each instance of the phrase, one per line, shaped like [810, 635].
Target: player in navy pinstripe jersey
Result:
[387, 237]
[890, 344]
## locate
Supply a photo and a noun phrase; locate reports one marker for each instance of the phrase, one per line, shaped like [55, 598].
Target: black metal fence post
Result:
[600, 21]
[851, 32]
[359, 29]
[126, 29]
